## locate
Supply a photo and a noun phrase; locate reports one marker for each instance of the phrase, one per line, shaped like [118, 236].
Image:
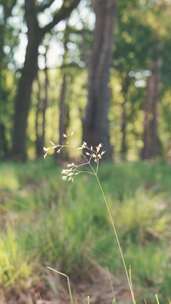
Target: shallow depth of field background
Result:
[100, 72]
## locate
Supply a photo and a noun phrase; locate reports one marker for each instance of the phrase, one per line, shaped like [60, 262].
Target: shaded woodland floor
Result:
[47, 222]
[100, 285]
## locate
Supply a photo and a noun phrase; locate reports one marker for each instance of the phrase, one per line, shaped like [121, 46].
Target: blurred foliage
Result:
[76, 230]
[142, 33]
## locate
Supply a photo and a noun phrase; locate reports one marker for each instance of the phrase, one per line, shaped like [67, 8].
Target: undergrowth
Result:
[45, 221]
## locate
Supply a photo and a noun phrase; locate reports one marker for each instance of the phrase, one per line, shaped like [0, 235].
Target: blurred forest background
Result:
[48, 49]
[100, 69]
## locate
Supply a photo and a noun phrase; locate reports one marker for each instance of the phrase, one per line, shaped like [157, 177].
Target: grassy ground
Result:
[48, 222]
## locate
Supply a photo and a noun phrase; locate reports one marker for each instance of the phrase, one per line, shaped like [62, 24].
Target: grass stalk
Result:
[109, 212]
[68, 282]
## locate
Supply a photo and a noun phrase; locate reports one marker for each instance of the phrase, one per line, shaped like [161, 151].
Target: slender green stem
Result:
[109, 211]
[157, 299]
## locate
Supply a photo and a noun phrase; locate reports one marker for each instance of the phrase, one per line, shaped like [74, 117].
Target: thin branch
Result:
[45, 5]
[8, 8]
[62, 14]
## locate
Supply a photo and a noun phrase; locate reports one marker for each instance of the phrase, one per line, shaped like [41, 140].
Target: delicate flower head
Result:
[90, 154]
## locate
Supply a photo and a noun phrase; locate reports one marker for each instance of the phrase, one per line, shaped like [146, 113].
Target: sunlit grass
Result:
[14, 261]
[48, 222]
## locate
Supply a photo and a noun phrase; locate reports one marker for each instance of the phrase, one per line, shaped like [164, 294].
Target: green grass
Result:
[47, 222]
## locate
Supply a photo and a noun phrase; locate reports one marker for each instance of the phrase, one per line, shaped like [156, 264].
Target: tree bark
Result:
[45, 100]
[29, 71]
[63, 111]
[96, 123]
[28, 74]
[41, 108]
[22, 101]
[7, 7]
[63, 104]
[38, 142]
[125, 89]
[3, 142]
[64, 116]
[151, 141]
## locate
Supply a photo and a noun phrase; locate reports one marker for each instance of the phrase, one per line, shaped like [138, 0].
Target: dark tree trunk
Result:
[45, 100]
[124, 118]
[151, 142]
[41, 107]
[96, 123]
[63, 117]
[124, 146]
[3, 142]
[63, 104]
[38, 142]
[7, 8]
[63, 111]
[29, 71]
[28, 74]
[23, 98]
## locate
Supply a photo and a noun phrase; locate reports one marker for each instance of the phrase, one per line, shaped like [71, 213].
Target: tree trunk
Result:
[63, 104]
[29, 71]
[41, 107]
[45, 100]
[124, 145]
[96, 123]
[63, 110]
[38, 142]
[151, 142]
[23, 98]
[3, 88]
[3, 142]
[63, 115]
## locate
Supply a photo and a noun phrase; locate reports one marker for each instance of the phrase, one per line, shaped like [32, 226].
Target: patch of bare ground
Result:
[99, 284]
[102, 287]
